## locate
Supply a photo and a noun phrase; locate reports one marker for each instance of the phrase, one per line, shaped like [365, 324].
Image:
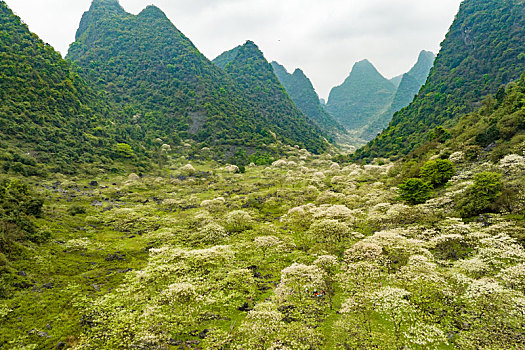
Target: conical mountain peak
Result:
[107, 5]
[425, 55]
[299, 73]
[152, 11]
[365, 67]
[362, 96]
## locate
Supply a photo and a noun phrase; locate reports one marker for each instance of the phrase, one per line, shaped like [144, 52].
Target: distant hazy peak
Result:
[299, 73]
[426, 55]
[365, 68]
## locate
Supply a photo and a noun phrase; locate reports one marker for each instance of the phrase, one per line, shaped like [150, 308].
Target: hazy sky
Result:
[324, 38]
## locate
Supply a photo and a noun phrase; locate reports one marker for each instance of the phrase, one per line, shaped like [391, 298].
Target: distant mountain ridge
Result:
[362, 96]
[409, 85]
[168, 89]
[302, 92]
[483, 50]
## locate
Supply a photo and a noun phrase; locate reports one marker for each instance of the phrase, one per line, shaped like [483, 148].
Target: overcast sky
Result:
[324, 38]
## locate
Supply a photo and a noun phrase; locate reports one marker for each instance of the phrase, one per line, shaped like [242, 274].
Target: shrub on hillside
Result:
[481, 195]
[438, 171]
[238, 221]
[415, 191]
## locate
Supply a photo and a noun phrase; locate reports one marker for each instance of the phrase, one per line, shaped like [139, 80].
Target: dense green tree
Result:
[438, 171]
[481, 195]
[415, 191]
[48, 114]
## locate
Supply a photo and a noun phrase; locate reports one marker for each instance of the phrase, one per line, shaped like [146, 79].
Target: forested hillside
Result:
[49, 117]
[168, 89]
[248, 67]
[482, 52]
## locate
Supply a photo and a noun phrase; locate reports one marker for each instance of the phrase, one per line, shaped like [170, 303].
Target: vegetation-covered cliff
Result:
[248, 67]
[49, 117]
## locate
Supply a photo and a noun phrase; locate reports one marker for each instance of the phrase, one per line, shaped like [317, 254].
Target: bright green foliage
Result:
[363, 96]
[481, 195]
[18, 205]
[415, 191]
[409, 85]
[168, 89]
[479, 54]
[124, 150]
[302, 92]
[48, 115]
[438, 171]
[228, 260]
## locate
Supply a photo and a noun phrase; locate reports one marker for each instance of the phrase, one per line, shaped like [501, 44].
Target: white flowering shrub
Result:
[300, 281]
[214, 205]
[281, 163]
[212, 233]
[329, 197]
[77, 244]
[179, 293]
[299, 216]
[425, 335]
[133, 177]
[329, 231]
[262, 326]
[335, 212]
[266, 243]
[512, 164]
[513, 277]
[234, 169]
[238, 221]
[457, 157]
[188, 170]
[364, 251]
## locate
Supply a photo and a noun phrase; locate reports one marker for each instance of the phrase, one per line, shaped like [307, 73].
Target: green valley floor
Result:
[301, 254]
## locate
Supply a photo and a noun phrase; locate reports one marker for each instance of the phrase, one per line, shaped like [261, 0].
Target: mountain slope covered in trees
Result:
[167, 89]
[248, 67]
[482, 52]
[409, 85]
[48, 114]
[363, 96]
[302, 92]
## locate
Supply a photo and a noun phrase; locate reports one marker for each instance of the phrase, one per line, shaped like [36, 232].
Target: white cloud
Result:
[324, 38]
